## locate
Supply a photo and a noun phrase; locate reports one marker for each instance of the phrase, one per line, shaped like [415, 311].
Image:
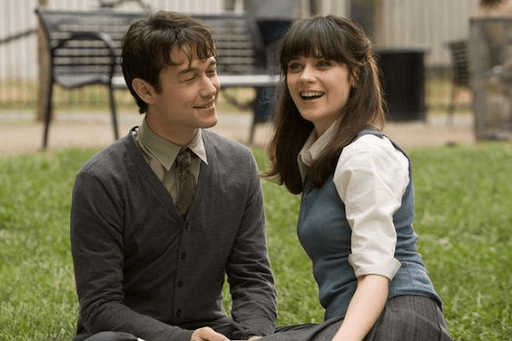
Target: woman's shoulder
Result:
[370, 142]
[377, 148]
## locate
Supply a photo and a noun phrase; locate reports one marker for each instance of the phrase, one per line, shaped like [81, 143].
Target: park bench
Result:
[85, 48]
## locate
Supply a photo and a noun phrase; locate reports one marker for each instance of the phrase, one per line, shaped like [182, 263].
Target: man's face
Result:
[187, 100]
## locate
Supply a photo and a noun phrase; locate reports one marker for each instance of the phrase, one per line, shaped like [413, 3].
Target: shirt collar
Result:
[313, 147]
[164, 151]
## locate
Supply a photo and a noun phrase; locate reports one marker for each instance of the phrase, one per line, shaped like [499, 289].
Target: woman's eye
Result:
[294, 66]
[324, 63]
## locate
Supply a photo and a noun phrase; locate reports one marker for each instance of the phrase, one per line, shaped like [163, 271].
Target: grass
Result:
[463, 217]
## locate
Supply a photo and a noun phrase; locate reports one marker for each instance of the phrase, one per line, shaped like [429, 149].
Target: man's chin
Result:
[210, 123]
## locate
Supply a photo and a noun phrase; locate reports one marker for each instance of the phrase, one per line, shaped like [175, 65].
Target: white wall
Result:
[426, 24]
[423, 24]
[18, 60]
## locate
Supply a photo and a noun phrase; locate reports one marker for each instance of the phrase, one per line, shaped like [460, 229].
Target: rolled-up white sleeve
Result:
[371, 177]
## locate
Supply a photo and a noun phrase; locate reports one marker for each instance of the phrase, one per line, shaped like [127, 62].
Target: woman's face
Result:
[320, 89]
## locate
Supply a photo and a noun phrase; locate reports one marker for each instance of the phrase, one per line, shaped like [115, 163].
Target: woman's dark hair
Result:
[340, 40]
[148, 43]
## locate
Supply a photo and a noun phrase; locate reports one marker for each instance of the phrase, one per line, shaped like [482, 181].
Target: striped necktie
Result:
[186, 181]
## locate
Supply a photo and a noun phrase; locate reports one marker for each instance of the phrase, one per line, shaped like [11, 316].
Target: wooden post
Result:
[44, 69]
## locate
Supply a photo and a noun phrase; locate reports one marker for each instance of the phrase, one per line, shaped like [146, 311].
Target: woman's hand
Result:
[207, 334]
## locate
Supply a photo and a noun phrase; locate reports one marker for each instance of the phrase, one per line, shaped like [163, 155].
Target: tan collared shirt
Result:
[161, 155]
[371, 177]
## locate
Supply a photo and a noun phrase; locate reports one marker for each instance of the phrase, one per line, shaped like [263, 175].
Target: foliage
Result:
[463, 218]
[37, 287]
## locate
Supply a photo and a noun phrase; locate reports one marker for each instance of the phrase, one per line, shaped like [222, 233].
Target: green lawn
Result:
[463, 217]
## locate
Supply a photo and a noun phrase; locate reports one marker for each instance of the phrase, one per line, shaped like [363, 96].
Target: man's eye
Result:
[188, 77]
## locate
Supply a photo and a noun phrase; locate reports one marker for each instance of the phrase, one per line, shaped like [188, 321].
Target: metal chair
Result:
[460, 68]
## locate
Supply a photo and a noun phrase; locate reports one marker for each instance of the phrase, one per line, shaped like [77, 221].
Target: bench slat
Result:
[226, 81]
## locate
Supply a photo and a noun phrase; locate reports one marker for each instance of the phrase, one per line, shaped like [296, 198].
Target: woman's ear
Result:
[145, 90]
[354, 77]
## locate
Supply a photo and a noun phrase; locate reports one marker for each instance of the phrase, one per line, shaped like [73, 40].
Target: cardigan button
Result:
[178, 313]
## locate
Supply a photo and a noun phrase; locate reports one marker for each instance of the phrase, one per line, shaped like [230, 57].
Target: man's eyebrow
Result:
[212, 62]
[187, 70]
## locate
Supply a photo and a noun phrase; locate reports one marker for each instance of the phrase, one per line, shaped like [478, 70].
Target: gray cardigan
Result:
[140, 268]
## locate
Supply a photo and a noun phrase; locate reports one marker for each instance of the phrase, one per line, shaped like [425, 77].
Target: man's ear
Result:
[145, 91]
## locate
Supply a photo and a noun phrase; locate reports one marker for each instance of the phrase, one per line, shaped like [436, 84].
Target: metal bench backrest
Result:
[87, 59]
[239, 44]
[76, 50]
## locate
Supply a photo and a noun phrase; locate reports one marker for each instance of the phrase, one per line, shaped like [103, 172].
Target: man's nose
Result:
[209, 86]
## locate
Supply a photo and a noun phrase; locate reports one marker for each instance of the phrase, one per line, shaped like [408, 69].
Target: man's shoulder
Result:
[110, 159]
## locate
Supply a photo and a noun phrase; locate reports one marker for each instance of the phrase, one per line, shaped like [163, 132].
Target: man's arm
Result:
[249, 273]
[97, 245]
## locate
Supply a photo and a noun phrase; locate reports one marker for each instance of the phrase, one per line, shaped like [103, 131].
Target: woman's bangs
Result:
[314, 41]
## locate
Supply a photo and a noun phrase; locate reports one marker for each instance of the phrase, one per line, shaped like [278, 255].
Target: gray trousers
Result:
[404, 318]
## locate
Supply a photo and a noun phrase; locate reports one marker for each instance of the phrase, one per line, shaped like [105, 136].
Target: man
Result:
[147, 261]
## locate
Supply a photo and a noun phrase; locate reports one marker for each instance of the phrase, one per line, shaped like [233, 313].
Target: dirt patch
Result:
[20, 134]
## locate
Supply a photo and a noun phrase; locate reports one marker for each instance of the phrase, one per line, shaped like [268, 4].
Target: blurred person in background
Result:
[274, 19]
[494, 7]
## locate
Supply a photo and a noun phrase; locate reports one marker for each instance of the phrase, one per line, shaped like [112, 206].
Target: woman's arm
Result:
[371, 178]
[364, 308]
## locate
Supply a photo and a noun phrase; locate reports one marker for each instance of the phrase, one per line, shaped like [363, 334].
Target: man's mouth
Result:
[205, 106]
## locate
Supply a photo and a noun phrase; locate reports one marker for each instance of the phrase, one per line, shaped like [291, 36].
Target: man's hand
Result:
[207, 334]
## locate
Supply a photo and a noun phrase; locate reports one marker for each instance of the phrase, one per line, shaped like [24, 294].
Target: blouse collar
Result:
[313, 147]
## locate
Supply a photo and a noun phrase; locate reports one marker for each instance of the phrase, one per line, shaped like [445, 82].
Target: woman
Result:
[355, 220]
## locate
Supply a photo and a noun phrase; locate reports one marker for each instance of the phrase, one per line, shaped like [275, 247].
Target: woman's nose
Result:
[307, 74]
